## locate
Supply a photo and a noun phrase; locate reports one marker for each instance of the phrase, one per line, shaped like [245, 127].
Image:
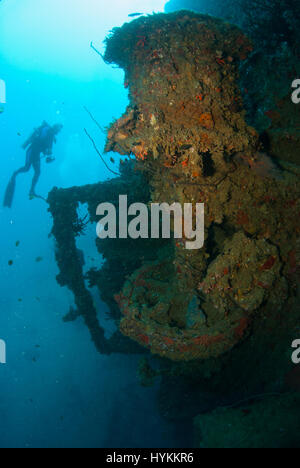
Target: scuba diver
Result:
[41, 141]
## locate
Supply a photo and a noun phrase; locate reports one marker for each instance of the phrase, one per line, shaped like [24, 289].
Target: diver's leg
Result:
[10, 190]
[36, 164]
[27, 166]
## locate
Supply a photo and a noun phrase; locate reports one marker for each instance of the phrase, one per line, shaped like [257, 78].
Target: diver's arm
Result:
[47, 152]
[50, 160]
[27, 143]
[30, 139]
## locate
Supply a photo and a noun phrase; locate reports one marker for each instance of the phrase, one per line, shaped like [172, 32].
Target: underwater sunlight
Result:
[53, 36]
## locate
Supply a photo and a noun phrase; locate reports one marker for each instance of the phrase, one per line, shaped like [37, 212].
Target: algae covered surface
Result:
[218, 320]
[270, 423]
[186, 126]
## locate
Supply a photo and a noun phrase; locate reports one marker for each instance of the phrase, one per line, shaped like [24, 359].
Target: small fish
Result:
[39, 259]
[18, 243]
[112, 160]
[20, 300]
[10, 262]
[19, 134]
[134, 15]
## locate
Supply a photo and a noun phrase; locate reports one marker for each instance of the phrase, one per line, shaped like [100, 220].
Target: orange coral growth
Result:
[206, 121]
[268, 264]
[272, 114]
[144, 339]
[220, 61]
[242, 218]
[243, 325]
[168, 341]
[140, 152]
[205, 139]
[207, 340]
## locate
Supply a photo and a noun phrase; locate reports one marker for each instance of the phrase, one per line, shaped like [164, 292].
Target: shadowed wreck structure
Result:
[202, 312]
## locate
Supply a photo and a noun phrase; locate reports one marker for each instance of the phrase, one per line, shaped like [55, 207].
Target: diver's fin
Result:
[32, 196]
[10, 192]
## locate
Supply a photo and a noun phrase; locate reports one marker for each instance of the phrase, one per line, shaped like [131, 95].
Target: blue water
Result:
[56, 390]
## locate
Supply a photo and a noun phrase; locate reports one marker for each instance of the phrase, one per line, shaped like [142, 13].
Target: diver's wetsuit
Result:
[32, 159]
[41, 141]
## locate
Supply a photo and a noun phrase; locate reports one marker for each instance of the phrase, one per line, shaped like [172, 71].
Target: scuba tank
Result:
[37, 133]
